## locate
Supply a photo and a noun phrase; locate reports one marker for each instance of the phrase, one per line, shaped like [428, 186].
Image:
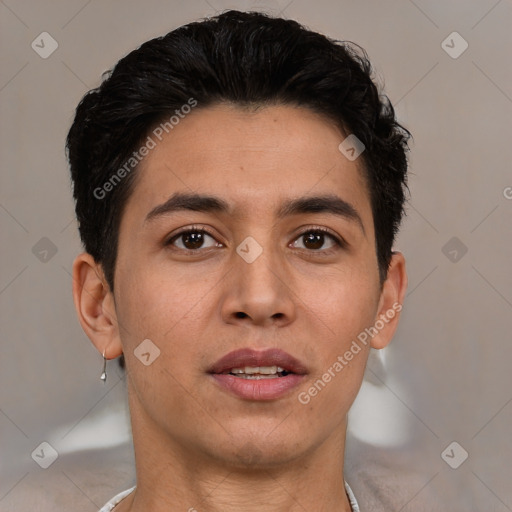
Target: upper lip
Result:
[250, 357]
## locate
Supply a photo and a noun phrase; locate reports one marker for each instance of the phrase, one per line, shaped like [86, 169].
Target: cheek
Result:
[341, 309]
[152, 307]
[341, 353]
[154, 303]
[173, 310]
[344, 301]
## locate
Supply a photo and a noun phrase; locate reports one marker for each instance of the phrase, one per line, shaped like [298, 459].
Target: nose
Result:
[259, 292]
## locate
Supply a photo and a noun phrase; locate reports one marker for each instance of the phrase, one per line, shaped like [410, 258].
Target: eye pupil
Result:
[314, 240]
[193, 240]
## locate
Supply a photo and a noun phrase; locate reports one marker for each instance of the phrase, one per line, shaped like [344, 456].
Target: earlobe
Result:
[390, 303]
[95, 306]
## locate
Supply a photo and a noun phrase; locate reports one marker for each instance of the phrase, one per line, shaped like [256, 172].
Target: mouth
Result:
[258, 372]
[258, 375]
[269, 363]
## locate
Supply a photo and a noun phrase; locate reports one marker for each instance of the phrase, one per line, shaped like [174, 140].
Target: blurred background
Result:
[430, 430]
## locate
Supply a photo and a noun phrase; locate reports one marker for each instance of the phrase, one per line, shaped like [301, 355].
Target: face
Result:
[247, 230]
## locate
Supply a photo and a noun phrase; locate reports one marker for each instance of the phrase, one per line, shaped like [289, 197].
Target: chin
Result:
[256, 454]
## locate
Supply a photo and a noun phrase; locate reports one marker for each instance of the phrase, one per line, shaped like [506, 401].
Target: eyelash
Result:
[339, 242]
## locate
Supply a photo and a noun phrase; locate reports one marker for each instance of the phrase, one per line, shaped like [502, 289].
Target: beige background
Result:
[446, 377]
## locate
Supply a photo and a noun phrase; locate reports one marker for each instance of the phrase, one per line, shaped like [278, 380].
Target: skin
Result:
[198, 447]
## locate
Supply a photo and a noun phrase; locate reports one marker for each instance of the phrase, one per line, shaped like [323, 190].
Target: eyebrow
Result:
[330, 204]
[188, 201]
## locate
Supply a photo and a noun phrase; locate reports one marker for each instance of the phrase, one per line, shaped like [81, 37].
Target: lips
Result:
[254, 375]
[247, 357]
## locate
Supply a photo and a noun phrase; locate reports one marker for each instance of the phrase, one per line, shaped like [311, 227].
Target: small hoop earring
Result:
[103, 376]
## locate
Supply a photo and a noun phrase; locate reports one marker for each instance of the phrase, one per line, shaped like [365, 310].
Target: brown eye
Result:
[193, 240]
[316, 240]
[313, 240]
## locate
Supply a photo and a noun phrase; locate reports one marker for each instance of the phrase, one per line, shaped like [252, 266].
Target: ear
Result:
[94, 303]
[390, 303]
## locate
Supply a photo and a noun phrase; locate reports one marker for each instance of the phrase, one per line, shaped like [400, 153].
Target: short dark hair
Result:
[244, 58]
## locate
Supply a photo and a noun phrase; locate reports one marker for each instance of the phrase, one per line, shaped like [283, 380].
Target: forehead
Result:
[255, 159]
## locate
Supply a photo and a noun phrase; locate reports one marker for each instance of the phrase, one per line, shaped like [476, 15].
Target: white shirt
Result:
[116, 499]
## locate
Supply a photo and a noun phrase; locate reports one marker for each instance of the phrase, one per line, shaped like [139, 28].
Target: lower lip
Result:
[257, 390]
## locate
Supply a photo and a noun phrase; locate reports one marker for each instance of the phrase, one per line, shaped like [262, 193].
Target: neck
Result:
[174, 476]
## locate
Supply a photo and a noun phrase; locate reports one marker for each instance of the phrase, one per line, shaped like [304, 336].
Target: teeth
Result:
[263, 370]
[258, 377]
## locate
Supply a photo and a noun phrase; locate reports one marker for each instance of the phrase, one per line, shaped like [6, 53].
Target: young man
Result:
[238, 185]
